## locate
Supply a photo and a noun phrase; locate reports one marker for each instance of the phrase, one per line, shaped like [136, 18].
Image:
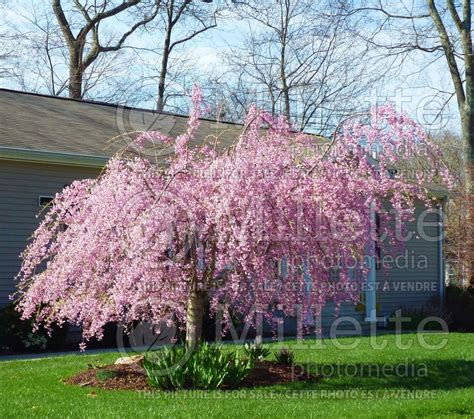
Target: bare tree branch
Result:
[78, 60]
[448, 51]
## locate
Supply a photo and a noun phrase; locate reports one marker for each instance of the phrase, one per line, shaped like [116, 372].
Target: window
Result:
[44, 200]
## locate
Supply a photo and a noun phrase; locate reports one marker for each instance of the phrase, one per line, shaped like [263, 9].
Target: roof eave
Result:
[50, 157]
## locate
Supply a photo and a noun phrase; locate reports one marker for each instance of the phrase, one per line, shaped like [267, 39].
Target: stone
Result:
[129, 360]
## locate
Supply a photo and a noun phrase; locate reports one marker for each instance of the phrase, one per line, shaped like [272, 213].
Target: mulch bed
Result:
[127, 377]
[133, 377]
[268, 373]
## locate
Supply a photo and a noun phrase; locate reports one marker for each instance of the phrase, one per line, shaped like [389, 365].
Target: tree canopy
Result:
[260, 224]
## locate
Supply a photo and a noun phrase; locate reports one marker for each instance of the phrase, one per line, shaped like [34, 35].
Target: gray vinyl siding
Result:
[394, 290]
[328, 317]
[394, 284]
[21, 184]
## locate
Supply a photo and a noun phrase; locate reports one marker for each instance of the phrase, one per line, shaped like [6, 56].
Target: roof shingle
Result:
[47, 123]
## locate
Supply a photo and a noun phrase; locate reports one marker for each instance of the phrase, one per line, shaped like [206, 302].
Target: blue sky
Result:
[410, 90]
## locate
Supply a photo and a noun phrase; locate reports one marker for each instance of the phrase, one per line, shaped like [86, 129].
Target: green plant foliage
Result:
[238, 369]
[414, 316]
[256, 352]
[16, 334]
[460, 304]
[285, 356]
[209, 367]
[164, 368]
[34, 389]
[103, 375]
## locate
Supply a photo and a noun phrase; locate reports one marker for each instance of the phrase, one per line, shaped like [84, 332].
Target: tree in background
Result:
[113, 57]
[181, 21]
[41, 55]
[458, 256]
[6, 47]
[83, 36]
[299, 60]
[134, 58]
[254, 227]
[41, 59]
[5, 55]
[75, 47]
[438, 29]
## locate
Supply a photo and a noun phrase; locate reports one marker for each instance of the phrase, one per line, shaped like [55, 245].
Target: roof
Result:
[43, 128]
[56, 129]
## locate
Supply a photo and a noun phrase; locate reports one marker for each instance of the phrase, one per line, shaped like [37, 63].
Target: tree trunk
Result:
[160, 103]
[470, 227]
[285, 91]
[467, 121]
[283, 40]
[194, 319]
[468, 132]
[75, 75]
[161, 84]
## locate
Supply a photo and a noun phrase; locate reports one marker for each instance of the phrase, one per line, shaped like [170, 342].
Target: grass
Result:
[359, 382]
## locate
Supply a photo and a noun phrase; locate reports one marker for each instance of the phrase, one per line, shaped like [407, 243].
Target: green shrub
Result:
[256, 352]
[460, 303]
[18, 335]
[285, 357]
[209, 367]
[416, 315]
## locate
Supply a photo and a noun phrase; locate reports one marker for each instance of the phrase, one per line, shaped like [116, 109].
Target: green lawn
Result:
[430, 382]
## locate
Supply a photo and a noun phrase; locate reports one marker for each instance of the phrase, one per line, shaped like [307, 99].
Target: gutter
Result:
[41, 156]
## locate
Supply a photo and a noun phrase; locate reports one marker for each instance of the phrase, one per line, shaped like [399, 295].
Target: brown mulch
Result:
[133, 377]
[268, 373]
[128, 377]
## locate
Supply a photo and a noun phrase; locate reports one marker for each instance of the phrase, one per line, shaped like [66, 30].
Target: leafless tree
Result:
[181, 21]
[81, 28]
[227, 95]
[442, 31]
[182, 74]
[458, 223]
[119, 56]
[300, 60]
[40, 55]
[6, 48]
[6, 54]
[40, 59]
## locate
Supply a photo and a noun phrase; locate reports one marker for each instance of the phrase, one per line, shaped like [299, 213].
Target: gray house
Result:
[47, 142]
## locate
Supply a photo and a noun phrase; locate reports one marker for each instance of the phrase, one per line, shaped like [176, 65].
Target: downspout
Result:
[370, 294]
[441, 280]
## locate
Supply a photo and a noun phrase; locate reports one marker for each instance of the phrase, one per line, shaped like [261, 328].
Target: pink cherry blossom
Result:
[260, 224]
